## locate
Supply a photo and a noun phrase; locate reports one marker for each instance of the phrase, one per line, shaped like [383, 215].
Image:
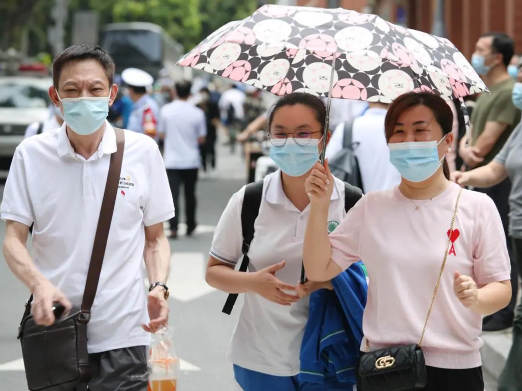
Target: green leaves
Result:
[186, 21]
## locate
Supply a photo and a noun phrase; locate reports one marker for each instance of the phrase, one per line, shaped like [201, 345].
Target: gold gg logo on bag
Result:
[385, 362]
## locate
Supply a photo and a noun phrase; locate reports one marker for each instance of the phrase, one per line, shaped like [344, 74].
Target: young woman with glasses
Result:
[266, 344]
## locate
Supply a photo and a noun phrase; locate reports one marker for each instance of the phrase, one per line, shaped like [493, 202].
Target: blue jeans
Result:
[257, 381]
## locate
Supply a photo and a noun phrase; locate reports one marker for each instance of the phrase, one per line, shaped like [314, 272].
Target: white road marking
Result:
[18, 366]
[187, 276]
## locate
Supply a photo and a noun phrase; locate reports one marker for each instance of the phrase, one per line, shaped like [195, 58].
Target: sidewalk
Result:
[228, 165]
[495, 351]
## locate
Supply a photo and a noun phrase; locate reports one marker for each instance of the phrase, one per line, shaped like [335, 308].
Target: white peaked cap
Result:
[136, 77]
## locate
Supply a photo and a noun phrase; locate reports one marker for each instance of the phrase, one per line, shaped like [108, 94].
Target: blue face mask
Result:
[479, 65]
[294, 159]
[85, 115]
[415, 161]
[513, 71]
[517, 95]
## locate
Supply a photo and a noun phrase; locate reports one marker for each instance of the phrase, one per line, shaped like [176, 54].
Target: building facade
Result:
[465, 20]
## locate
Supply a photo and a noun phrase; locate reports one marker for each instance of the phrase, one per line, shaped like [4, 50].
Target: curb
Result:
[495, 351]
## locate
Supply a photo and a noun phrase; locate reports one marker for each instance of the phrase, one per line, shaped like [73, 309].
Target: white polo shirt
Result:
[61, 192]
[182, 123]
[268, 336]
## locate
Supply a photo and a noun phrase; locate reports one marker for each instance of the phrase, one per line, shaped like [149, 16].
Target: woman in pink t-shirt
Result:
[402, 235]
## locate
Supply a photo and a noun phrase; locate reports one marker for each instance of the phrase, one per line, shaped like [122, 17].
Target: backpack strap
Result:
[347, 137]
[249, 213]
[352, 195]
[40, 128]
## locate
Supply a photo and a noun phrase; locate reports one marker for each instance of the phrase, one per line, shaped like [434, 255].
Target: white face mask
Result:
[85, 115]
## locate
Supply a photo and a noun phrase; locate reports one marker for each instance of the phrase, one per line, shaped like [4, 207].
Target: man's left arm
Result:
[158, 208]
[157, 262]
[489, 137]
[503, 116]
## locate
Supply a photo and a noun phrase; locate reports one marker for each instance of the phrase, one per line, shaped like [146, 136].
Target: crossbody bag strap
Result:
[440, 274]
[441, 268]
[104, 225]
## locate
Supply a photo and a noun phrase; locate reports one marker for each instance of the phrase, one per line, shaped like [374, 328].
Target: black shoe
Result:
[191, 229]
[498, 323]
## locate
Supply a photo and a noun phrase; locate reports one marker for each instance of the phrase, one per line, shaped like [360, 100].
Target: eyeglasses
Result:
[302, 137]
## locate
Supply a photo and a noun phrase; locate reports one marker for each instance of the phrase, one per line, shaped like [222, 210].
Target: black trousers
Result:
[440, 379]
[500, 196]
[119, 370]
[208, 153]
[188, 179]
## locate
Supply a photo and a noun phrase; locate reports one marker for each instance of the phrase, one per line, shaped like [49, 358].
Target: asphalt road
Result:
[202, 332]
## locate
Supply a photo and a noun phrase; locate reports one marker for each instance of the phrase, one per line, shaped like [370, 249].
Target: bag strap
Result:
[249, 213]
[352, 195]
[440, 274]
[347, 137]
[40, 128]
[104, 225]
[441, 268]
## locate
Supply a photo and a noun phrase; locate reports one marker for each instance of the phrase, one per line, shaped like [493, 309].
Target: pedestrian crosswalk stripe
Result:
[18, 366]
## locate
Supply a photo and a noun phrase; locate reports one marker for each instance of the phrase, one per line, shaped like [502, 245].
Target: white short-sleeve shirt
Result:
[268, 336]
[61, 192]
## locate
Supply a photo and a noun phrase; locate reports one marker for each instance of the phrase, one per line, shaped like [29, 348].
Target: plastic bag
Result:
[163, 362]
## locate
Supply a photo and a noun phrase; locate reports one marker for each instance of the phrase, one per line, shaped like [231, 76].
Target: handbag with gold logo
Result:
[400, 368]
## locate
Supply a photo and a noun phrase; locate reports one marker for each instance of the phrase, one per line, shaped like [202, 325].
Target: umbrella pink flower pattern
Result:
[283, 49]
[350, 89]
[321, 45]
[284, 87]
[238, 71]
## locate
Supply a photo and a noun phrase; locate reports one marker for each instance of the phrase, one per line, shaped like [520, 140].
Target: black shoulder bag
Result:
[400, 368]
[56, 357]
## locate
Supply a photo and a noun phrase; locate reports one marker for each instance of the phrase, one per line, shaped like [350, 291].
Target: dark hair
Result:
[138, 90]
[300, 98]
[79, 53]
[503, 44]
[205, 90]
[441, 112]
[183, 89]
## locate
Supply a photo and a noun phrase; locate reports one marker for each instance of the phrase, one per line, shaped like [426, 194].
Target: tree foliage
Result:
[186, 21]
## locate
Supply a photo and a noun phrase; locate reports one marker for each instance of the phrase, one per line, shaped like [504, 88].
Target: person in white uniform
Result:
[266, 344]
[57, 181]
[145, 112]
[370, 149]
[55, 120]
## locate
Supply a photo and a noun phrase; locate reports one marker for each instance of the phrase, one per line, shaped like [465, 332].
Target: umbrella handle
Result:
[328, 106]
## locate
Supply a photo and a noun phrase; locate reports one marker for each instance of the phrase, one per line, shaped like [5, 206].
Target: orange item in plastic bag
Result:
[163, 385]
[163, 363]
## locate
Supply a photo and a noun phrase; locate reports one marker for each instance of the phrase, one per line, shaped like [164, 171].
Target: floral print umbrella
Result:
[285, 49]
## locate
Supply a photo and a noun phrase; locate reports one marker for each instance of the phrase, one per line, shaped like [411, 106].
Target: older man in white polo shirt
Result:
[57, 182]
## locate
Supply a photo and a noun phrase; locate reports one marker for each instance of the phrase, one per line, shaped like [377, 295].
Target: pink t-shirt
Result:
[403, 249]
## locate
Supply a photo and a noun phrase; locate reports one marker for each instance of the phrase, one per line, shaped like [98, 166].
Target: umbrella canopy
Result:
[285, 49]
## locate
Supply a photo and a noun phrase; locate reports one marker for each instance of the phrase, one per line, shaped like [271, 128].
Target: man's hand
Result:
[471, 157]
[310, 287]
[44, 295]
[267, 285]
[158, 310]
